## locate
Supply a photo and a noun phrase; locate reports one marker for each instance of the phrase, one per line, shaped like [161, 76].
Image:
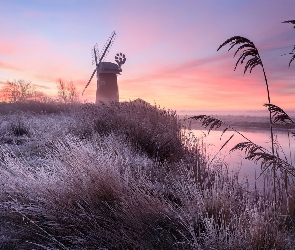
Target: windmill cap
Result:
[108, 67]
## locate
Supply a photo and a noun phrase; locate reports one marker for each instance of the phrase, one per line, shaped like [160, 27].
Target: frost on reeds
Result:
[124, 176]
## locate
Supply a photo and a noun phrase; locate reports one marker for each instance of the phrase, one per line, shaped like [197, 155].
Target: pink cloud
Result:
[198, 83]
[171, 53]
[4, 65]
[7, 48]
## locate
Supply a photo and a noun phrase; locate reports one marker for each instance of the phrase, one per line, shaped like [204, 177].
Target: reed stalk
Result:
[248, 49]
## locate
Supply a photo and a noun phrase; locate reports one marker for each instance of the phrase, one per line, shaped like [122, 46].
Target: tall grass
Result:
[80, 180]
[248, 49]
[277, 115]
[292, 52]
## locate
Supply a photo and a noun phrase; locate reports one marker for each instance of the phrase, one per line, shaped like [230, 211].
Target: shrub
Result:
[150, 130]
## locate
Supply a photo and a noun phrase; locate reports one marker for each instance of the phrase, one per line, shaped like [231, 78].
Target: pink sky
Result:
[170, 45]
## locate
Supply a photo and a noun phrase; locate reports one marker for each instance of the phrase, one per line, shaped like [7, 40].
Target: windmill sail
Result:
[89, 81]
[107, 86]
[95, 56]
[107, 46]
[104, 53]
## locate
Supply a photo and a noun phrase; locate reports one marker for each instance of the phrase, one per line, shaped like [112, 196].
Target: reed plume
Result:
[248, 49]
[279, 116]
[292, 52]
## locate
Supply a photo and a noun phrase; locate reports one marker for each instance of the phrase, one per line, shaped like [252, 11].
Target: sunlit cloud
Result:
[7, 66]
[171, 49]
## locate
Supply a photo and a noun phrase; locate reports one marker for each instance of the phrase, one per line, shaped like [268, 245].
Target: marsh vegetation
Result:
[125, 176]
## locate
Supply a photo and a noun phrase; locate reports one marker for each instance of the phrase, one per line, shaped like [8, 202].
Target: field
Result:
[125, 176]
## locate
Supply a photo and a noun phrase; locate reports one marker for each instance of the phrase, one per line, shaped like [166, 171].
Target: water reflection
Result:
[236, 160]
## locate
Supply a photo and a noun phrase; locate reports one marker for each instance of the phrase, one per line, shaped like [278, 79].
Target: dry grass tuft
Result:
[64, 190]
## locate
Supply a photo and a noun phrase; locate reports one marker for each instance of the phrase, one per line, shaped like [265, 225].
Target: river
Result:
[236, 160]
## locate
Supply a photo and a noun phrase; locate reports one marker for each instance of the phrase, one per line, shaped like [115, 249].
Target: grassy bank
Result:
[124, 176]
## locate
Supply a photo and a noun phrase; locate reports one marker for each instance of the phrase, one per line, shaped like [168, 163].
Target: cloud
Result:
[7, 47]
[8, 66]
[170, 48]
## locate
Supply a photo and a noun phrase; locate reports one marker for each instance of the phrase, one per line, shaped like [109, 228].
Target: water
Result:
[236, 160]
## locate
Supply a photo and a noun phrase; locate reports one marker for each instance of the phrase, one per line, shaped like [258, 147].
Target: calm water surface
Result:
[236, 160]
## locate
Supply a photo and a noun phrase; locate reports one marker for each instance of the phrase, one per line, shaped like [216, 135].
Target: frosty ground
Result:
[124, 176]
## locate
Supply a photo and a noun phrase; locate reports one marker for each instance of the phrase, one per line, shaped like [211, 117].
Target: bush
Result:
[150, 130]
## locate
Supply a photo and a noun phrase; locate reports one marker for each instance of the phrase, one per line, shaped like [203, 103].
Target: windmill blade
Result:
[95, 57]
[89, 81]
[107, 46]
[94, 54]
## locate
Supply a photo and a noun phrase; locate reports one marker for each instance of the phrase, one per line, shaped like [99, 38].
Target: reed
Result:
[249, 54]
[248, 49]
[292, 52]
[64, 190]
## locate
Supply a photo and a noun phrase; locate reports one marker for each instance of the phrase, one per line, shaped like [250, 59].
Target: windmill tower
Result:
[106, 72]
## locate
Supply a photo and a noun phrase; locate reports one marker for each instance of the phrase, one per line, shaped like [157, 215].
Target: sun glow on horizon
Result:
[170, 61]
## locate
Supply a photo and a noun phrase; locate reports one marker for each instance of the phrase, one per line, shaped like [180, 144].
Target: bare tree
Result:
[17, 91]
[72, 92]
[25, 90]
[39, 96]
[67, 91]
[62, 90]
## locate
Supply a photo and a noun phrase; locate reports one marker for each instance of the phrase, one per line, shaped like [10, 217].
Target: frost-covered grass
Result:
[124, 176]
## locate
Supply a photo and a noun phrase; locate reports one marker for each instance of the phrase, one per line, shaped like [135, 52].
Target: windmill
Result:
[106, 72]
